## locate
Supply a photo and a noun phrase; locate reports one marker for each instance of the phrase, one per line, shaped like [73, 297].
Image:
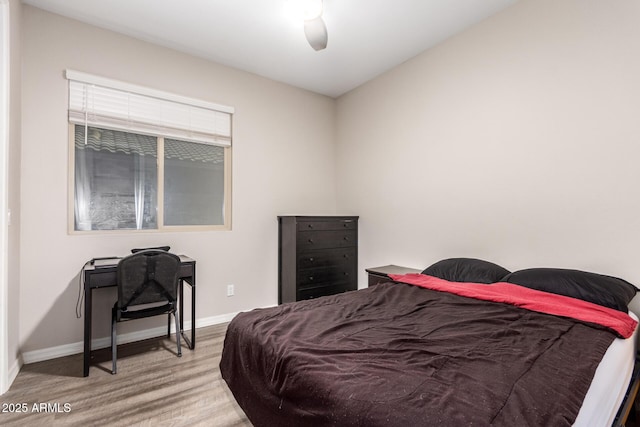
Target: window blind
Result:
[100, 102]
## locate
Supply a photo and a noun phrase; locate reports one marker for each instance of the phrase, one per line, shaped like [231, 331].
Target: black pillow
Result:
[466, 270]
[599, 289]
[159, 248]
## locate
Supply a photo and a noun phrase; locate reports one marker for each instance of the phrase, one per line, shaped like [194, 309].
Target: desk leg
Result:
[193, 310]
[191, 343]
[87, 326]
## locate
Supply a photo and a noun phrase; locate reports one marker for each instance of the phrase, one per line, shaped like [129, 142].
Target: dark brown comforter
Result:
[399, 355]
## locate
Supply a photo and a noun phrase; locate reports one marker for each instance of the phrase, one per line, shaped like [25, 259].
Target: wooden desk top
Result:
[112, 262]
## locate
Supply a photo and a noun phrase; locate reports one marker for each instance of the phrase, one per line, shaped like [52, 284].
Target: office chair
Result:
[147, 286]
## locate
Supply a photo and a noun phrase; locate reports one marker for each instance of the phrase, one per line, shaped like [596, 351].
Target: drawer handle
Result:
[346, 256]
[311, 278]
[311, 259]
[346, 238]
[310, 240]
[310, 226]
[346, 274]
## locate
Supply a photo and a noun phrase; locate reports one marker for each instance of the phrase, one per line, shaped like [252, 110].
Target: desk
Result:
[104, 275]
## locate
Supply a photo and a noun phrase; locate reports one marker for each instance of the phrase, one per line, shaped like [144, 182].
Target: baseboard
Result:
[14, 370]
[78, 347]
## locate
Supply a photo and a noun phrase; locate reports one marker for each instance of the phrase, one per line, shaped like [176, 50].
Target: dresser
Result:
[317, 256]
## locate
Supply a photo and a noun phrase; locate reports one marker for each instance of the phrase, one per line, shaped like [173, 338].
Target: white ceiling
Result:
[366, 37]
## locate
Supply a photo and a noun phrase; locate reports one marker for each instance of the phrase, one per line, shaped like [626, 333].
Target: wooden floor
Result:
[153, 387]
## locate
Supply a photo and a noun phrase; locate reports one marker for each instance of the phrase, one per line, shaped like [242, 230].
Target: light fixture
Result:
[316, 33]
[314, 28]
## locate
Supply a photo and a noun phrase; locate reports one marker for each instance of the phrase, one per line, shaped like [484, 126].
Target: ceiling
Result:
[366, 37]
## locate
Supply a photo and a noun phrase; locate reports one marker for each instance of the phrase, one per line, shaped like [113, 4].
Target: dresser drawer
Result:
[342, 224]
[324, 258]
[321, 275]
[310, 240]
[323, 291]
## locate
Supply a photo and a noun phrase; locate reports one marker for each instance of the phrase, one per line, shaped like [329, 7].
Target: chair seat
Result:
[145, 312]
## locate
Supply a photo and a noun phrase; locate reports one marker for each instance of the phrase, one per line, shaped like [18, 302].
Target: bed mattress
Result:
[610, 383]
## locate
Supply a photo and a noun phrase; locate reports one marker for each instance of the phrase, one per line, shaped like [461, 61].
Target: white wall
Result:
[517, 141]
[283, 162]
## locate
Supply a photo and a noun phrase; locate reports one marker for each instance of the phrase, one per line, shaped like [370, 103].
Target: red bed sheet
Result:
[530, 299]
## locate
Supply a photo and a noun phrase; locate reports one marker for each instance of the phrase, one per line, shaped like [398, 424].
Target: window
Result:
[193, 183]
[146, 160]
[116, 180]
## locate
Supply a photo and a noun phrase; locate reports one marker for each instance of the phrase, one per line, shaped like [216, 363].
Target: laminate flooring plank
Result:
[153, 387]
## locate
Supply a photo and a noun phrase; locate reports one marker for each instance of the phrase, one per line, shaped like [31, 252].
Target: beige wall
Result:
[283, 162]
[517, 141]
[13, 257]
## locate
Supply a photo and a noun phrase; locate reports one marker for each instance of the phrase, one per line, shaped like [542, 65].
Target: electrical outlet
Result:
[230, 290]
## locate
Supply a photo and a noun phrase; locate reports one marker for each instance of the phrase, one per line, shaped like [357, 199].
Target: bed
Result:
[465, 342]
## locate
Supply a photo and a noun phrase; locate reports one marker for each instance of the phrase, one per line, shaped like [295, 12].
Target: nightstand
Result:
[381, 274]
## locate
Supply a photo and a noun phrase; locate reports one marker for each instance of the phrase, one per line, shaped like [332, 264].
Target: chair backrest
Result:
[146, 277]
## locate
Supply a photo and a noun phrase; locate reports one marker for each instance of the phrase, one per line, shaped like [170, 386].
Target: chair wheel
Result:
[179, 354]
